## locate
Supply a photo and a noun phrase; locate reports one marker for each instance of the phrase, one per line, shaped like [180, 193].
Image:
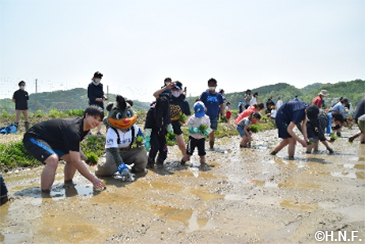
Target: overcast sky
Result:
[136, 44]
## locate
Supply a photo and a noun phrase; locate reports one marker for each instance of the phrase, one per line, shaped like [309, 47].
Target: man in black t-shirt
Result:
[20, 98]
[52, 140]
[95, 93]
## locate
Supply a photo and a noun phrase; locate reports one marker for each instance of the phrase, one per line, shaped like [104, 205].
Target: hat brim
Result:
[200, 114]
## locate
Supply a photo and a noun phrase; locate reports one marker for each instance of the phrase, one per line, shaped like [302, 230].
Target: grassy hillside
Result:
[353, 90]
[61, 100]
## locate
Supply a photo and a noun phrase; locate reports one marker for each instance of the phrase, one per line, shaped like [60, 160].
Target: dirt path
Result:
[247, 197]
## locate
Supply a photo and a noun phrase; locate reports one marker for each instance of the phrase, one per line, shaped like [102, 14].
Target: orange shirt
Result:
[245, 114]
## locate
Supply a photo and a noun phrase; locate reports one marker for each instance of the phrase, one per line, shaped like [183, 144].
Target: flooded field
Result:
[248, 196]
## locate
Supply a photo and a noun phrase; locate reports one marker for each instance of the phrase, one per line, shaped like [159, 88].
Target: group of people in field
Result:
[59, 139]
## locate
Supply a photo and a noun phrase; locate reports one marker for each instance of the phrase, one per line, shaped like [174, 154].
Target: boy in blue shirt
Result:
[213, 101]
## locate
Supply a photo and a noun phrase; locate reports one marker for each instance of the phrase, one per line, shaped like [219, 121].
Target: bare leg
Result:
[315, 146]
[327, 146]
[181, 144]
[280, 146]
[202, 159]
[244, 141]
[49, 172]
[291, 147]
[25, 113]
[17, 116]
[352, 138]
[309, 149]
[211, 139]
[69, 170]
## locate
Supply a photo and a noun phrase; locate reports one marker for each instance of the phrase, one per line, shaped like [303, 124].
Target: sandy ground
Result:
[248, 196]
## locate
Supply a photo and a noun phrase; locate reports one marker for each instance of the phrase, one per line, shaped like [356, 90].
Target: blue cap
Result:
[199, 109]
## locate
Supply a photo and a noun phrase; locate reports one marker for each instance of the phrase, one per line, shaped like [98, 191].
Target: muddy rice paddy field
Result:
[247, 196]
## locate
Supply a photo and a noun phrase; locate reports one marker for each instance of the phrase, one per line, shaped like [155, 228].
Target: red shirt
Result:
[317, 101]
[245, 114]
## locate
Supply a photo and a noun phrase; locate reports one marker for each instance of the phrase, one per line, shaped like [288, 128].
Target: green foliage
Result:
[182, 117]
[171, 139]
[138, 142]
[39, 113]
[93, 144]
[92, 157]
[262, 126]
[14, 155]
[5, 113]
[75, 112]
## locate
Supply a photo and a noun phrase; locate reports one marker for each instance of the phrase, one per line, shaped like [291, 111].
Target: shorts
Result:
[241, 131]
[213, 123]
[177, 127]
[193, 143]
[282, 128]
[40, 149]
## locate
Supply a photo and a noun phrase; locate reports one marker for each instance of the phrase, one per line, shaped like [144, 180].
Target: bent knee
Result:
[52, 161]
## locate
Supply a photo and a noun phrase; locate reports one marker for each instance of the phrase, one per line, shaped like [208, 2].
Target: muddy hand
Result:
[98, 183]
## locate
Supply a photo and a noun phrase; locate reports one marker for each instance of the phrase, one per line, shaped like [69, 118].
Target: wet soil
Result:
[247, 196]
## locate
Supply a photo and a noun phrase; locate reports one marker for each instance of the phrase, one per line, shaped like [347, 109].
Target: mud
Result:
[247, 196]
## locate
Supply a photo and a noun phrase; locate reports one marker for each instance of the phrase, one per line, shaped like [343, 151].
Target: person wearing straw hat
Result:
[318, 99]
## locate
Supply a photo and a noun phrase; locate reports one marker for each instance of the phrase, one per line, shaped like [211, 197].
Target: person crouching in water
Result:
[199, 128]
[316, 129]
[289, 115]
[243, 128]
[156, 127]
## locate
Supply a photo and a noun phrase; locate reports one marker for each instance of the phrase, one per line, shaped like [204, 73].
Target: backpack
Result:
[9, 129]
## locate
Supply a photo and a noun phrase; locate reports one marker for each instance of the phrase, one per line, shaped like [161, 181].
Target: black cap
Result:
[178, 85]
[97, 74]
[312, 112]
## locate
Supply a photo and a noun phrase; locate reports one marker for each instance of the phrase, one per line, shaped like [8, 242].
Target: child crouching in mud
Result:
[243, 128]
[199, 128]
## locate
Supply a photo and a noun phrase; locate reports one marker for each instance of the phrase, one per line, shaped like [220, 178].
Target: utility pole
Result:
[107, 91]
[36, 86]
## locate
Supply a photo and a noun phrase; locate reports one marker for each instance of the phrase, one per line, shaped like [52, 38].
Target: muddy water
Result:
[248, 196]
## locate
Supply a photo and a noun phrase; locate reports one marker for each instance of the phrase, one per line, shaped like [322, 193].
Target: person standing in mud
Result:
[179, 108]
[20, 98]
[95, 93]
[316, 129]
[3, 191]
[157, 125]
[213, 101]
[291, 114]
[52, 140]
[359, 118]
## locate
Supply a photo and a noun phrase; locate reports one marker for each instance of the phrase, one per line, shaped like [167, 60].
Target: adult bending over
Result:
[289, 115]
[52, 140]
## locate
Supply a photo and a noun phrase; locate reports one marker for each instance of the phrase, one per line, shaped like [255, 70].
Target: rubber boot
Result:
[26, 125]
[211, 144]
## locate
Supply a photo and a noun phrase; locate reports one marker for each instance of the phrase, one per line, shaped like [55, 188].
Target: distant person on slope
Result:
[318, 101]
[20, 98]
[95, 93]
[52, 140]
[279, 103]
[254, 99]
[247, 99]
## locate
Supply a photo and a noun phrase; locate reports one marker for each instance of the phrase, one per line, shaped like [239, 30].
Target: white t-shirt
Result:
[279, 103]
[253, 101]
[125, 137]
[273, 113]
[195, 122]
